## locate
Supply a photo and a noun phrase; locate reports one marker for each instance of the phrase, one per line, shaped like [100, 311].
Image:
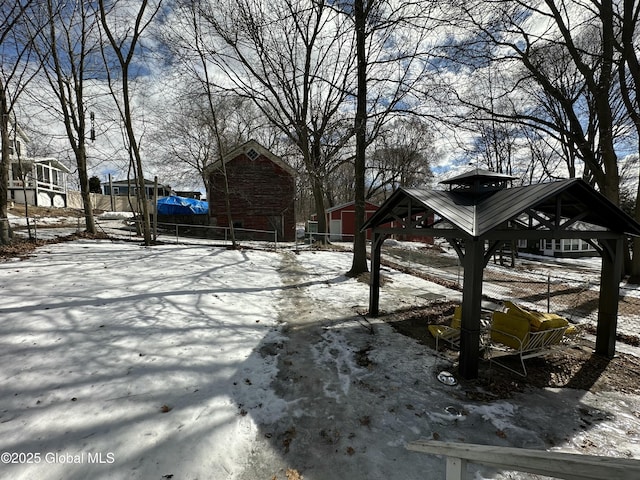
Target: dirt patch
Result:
[576, 366]
[34, 211]
[23, 248]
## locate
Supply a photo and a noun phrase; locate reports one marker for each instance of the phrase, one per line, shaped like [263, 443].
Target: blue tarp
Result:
[175, 205]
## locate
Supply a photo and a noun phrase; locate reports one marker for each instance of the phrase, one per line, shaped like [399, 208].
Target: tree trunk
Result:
[359, 263]
[628, 84]
[142, 196]
[81, 160]
[5, 228]
[318, 200]
[635, 246]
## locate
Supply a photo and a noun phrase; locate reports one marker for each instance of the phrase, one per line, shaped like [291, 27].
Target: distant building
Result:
[35, 180]
[123, 188]
[189, 194]
[341, 220]
[568, 247]
[560, 247]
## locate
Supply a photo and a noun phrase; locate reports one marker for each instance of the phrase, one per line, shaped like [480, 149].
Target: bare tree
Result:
[391, 48]
[627, 17]
[570, 66]
[65, 49]
[294, 60]
[401, 157]
[124, 36]
[214, 125]
[16, 71]
[362, 10]
[185, 135]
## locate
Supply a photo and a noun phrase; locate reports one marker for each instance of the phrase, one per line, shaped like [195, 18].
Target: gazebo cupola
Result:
[479, 213]
[478, 182]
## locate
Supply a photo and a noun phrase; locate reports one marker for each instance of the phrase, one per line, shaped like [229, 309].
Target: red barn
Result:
[261, 193]
[341, 221]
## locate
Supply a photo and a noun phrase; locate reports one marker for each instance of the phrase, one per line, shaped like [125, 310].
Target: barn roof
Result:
[349, 204]
[477, 213]
[251, 149]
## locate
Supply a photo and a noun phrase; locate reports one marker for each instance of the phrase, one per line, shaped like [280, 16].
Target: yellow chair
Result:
[448, 333]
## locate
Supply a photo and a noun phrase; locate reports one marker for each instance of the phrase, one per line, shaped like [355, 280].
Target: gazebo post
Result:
[611, 273]
[374, 288]
[471, 308]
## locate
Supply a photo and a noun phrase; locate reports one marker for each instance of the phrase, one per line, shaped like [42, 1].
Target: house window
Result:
[116, 190]
[252, 154]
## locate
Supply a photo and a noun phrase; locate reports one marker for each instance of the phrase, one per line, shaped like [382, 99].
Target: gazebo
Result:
[479, 213]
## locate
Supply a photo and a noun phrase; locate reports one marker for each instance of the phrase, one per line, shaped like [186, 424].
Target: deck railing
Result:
[571, 466]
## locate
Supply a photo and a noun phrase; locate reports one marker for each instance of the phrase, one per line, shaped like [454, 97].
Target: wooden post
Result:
[374, 289]
[155, 208]
[113, 200]
[456, 468]
[612, 260]
[473, 262]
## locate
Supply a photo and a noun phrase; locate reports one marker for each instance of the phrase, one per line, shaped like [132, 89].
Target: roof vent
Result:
[478, 181]
[252, 154]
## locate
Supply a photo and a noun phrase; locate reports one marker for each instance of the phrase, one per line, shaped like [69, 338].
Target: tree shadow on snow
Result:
[325, 394]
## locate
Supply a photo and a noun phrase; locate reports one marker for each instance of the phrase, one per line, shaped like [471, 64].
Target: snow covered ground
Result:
[193, 361]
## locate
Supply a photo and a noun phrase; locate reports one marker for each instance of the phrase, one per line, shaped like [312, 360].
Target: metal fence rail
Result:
[182, 232]
[566, 287]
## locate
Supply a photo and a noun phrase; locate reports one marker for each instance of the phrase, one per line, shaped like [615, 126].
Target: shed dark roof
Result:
[478, 214]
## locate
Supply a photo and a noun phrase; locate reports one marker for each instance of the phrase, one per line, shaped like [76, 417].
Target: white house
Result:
[40, 181]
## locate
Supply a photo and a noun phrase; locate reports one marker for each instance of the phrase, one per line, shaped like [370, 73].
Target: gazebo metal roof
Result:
[478, 214]
[562, 202]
